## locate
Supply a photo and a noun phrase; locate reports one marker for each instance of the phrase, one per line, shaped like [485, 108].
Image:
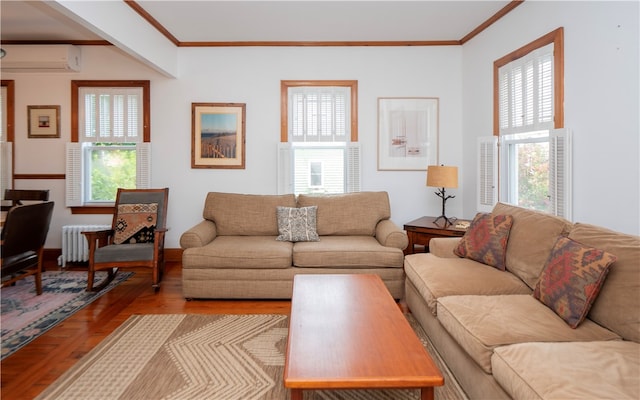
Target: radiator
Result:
[74, 245]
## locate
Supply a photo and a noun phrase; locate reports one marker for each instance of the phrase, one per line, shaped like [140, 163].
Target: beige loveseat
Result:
[502, 342]
[233, 253]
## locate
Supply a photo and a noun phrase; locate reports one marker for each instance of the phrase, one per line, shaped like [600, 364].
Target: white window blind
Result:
[110, 115]
[319, 114]
[526, 98]
[487, 173]
[3, 113]
[6, 148]
[74, 184]
[560, 172]
[353, 168]
[6, 163]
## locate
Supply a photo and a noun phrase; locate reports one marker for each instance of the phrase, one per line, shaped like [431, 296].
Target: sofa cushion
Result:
[486, 239]
[346, 252]
[618, 303]
[531, 239]
[572, 278]
[245, 214]
[436, 277]
[575, 370]
[479, 324]
[348, 214]
[239, 252]
[297, 224]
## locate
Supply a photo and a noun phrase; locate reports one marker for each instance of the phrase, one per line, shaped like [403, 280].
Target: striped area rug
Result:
[204, 357]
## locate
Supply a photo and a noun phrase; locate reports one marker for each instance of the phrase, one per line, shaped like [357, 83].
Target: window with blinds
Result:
[529, 162]
[319, 155]
[110, 151]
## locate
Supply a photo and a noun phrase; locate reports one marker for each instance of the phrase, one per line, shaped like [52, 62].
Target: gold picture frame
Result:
[218, 135]
[43, 121]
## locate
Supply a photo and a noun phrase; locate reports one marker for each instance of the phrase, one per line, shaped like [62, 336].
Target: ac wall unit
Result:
[41, 58]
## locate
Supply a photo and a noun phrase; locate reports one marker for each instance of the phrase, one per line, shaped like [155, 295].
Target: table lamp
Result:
[442, 177]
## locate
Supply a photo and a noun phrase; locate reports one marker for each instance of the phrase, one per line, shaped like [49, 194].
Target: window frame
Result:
[556, 38]
[351, 147]
[509, 148]
[75, 124]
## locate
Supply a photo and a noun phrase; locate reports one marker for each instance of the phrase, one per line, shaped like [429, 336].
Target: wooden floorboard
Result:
[27, 372]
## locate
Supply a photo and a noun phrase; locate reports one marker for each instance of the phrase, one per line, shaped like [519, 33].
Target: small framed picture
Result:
[217, 135]
[43, 121]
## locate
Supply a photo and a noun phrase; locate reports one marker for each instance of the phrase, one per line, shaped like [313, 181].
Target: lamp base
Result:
[443, 195]
[446, 221]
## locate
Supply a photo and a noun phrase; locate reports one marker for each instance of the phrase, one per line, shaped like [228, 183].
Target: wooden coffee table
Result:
[347, 332]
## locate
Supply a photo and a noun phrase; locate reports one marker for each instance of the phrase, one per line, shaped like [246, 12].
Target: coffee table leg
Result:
[296, 394]
[426, 393]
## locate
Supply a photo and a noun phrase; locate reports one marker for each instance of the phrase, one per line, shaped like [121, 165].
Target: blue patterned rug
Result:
[25, 316]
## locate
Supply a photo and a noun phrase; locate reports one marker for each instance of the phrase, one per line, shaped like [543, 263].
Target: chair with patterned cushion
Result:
[24, 232]
[136, 237]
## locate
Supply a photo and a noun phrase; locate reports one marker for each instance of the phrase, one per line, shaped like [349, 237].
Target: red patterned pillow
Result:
[485, 240]
[135, 223]
[572, 278]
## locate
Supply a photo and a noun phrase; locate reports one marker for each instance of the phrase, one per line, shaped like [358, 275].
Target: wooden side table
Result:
[422, 230]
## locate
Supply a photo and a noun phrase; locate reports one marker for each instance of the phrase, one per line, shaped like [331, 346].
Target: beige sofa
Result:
[233, 253]
[501, 342]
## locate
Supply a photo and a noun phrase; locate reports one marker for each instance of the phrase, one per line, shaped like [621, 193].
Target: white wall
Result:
[601, 49]
[601, 107]
[251, 76]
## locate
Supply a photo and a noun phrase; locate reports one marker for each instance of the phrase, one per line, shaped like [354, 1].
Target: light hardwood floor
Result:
[31, 369]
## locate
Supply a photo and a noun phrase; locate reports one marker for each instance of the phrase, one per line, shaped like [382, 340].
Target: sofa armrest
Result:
[390, 235]
[199, 235]
[443, 247]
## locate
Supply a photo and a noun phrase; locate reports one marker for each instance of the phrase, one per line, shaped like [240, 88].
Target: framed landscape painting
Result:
[407, 133]
[218, 135]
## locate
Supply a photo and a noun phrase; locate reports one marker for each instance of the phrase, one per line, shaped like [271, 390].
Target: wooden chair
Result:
[23, 235]
[17, 196]
[136, 237]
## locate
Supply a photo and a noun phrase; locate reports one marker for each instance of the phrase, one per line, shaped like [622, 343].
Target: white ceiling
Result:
[271, 21]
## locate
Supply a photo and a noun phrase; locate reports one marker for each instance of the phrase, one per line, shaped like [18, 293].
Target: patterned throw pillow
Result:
[485, 240]
[297, 224]
[572, 278]
[135, 223]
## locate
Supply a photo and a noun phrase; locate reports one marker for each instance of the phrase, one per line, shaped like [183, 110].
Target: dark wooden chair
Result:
[18, 196]
[23, 235]
[136, 237]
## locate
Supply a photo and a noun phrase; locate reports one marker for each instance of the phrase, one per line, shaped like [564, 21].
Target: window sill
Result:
[93, 210]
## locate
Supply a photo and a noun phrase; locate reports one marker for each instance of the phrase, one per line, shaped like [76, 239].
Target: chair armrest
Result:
[443, 247]
[390, 235]
[199, 235]
[101, 238]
